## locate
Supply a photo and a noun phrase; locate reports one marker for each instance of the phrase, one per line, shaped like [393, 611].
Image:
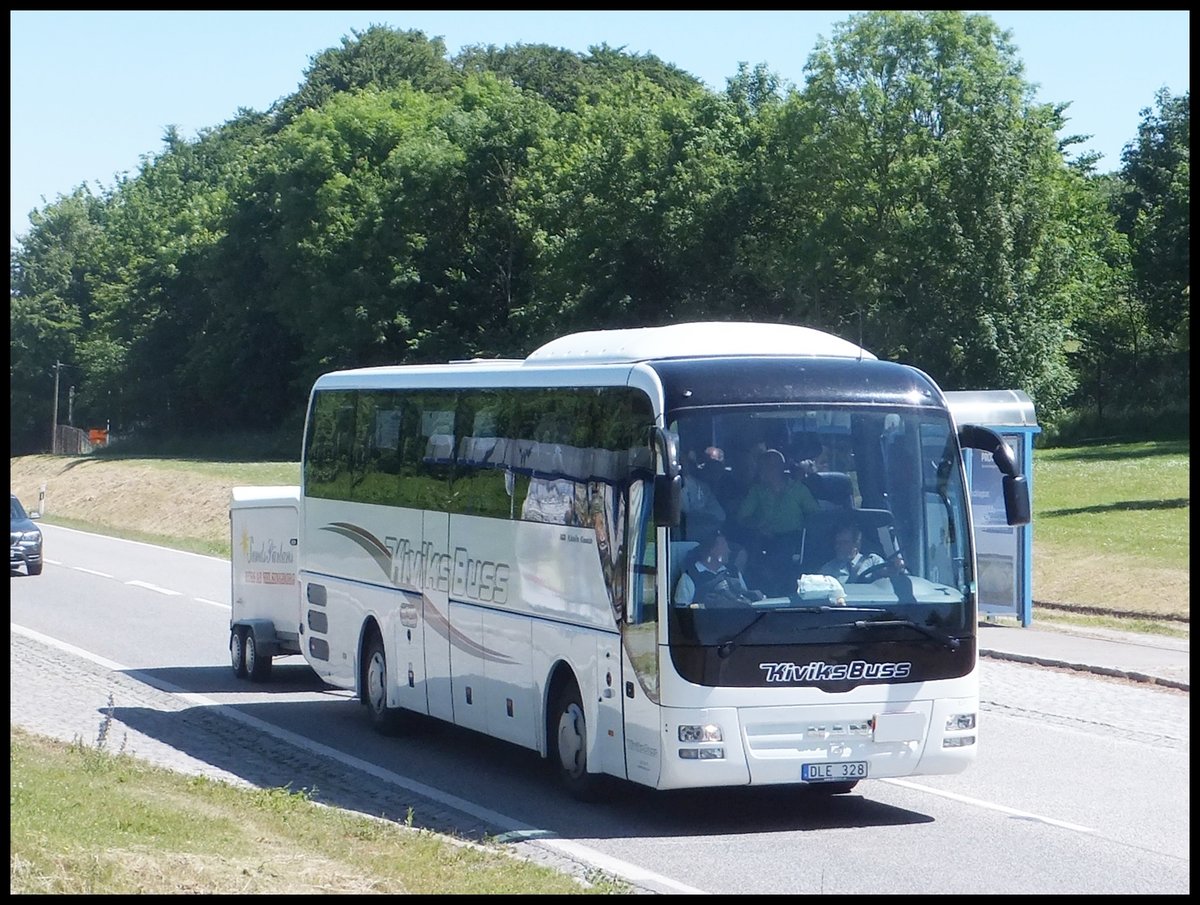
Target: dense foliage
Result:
[403, 206]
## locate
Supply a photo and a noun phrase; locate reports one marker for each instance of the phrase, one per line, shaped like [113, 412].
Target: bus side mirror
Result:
[668, 500]
[668, 486]
[1017, 510]
[1016, 500]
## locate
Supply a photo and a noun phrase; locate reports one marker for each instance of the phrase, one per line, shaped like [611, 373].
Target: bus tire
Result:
[385, 720]
[258, 664]
[237, 651]
[568, 745]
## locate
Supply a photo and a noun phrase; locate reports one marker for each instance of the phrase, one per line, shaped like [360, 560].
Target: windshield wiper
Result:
[937, 635]
[725, 648]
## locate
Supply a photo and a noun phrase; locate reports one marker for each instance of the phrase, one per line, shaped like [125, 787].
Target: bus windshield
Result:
[803, 523]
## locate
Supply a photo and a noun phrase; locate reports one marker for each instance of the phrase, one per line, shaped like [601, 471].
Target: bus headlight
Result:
[960, 721]
[958, 741]
[709, 733]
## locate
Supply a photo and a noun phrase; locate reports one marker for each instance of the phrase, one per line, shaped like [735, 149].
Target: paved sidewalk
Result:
[1155, 659]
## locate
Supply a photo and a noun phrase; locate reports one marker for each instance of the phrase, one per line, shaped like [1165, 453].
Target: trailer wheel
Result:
[385, 720]
[258, 664]
[237, 651]
[568, 745]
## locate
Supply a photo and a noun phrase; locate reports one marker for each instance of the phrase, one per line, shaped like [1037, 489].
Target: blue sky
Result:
[93, 92]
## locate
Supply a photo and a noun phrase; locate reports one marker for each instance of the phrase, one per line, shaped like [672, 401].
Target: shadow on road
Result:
[452, 779]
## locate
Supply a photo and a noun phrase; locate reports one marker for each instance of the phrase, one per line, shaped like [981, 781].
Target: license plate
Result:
[834, 771]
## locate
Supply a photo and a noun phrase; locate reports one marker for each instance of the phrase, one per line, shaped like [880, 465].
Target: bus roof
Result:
[703, 339]
[606, 356]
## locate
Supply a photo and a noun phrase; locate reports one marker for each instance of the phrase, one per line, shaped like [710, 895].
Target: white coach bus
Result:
[496, 544]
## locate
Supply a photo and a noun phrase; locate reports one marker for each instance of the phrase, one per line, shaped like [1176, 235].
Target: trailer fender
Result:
[265, 638]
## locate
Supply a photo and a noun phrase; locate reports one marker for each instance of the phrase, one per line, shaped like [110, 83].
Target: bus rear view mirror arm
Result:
[1017, 508]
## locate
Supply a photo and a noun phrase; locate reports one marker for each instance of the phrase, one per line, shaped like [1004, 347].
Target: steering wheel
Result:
[893, 561]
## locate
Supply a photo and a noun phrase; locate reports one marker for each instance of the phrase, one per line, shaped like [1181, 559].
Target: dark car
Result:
[26, 547]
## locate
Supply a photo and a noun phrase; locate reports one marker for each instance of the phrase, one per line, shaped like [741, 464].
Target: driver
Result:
[849, 563]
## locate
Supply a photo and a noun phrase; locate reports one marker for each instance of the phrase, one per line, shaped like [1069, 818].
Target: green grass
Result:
[1129, 499]
[1111, 528]
[87, 820]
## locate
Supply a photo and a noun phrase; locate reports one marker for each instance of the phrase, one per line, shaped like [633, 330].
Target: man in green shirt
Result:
[775, 504]
[771, 518]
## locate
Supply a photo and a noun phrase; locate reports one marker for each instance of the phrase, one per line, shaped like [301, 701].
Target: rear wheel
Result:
[386, 720]
[258, 664]
[568, 745]
[237, 652]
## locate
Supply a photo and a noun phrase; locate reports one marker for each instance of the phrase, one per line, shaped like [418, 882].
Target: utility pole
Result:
[54, 411]
[71, 405]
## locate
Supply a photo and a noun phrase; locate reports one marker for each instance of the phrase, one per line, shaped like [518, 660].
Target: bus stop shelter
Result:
[1004, 552]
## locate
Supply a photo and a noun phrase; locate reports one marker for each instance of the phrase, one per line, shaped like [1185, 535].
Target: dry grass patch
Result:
[170, 501]
[1065, 576]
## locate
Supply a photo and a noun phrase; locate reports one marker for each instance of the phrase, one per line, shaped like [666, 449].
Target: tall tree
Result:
[380, 58]
[631, 198]
[1155, 213]
[49, 301]
[919, 192]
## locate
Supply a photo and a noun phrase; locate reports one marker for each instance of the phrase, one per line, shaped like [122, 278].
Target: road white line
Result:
[154, 587]
[91, 571]
[223, 606]
[953, 796]
[510, 825]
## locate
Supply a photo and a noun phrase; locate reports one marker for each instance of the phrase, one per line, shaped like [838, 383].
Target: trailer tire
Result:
[258, 663]
[568, 745]
[237, 651]
[385, 720]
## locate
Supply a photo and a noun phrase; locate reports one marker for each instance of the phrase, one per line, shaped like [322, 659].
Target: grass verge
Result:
[84, 819]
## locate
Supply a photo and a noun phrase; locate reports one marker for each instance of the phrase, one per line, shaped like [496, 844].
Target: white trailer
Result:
[264, 622]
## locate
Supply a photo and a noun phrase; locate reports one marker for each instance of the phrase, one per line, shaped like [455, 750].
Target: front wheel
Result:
[34, 569]
[386, 720]
[568, 745]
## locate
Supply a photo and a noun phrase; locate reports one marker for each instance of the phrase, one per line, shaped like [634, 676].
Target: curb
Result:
[1095, 670]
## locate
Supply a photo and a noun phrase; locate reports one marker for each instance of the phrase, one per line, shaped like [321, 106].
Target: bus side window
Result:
[643, 588]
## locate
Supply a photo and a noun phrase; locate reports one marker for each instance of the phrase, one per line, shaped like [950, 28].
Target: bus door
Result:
[435, 614]
[639, 643]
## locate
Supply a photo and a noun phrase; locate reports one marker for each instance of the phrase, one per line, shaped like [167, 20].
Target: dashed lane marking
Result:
[154, 587]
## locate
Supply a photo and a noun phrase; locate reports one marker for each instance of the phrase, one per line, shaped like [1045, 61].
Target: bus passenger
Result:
[712, 578]
[775, 504]
[702, 511]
